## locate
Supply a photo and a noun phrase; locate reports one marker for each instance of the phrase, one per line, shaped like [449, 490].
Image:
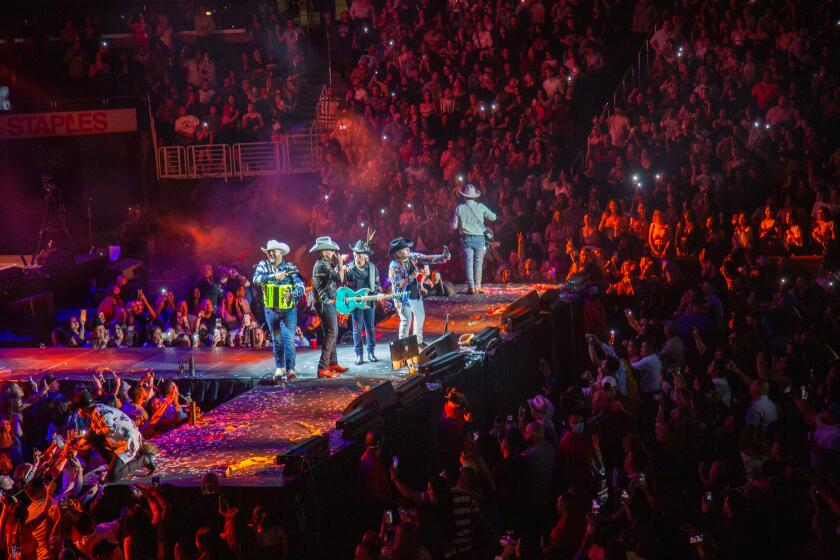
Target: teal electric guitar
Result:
[346, 300]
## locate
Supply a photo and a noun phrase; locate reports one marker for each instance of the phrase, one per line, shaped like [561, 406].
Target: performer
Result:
[115, 436]
[469, 222]
[363, 274]
[403, 273]
[324, 280]
[280, 308]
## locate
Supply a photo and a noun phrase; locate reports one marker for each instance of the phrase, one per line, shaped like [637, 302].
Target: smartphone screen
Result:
[395, 462]
[596, 506]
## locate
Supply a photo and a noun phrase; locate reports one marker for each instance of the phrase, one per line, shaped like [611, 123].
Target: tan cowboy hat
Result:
[324, 243]
[274, 245]
[470, 191]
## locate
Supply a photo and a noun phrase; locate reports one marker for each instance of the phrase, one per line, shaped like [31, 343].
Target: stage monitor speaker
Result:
[438, 347]
[382, 397]
[310, 450]
[411, 389]
[485, 337]
[521, 312]
[528, 302]
[549, 298]
[355, 424]
[443, 366]
[404, 351]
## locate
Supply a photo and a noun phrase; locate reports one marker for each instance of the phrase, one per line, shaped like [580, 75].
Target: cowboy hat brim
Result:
[282, 247]
[361, 248]
[475, 193]
[403, 244]
[325, 246]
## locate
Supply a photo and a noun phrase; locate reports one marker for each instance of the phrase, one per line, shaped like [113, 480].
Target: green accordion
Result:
[278, 296]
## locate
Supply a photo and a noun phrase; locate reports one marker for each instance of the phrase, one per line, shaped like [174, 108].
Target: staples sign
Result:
[71, 123]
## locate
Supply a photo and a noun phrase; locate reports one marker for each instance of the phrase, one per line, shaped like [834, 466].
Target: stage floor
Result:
[466, 314]
[240, 438]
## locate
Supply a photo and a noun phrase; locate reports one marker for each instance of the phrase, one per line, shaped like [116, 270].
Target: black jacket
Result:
[324, 280]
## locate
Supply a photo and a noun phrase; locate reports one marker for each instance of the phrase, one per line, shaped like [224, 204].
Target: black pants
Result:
[329, 324]
[119, 470]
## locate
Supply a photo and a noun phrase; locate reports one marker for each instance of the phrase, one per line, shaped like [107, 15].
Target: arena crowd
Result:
[700, 229]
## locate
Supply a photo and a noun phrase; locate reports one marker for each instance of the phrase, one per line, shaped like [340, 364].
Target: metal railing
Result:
[171, 162]
[633, 79]
[295, 153]
[210, 160]
[259, 158]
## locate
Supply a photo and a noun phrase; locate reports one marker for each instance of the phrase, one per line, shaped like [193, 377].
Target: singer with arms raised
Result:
[403, 273]
[282, 288]
[328, 271]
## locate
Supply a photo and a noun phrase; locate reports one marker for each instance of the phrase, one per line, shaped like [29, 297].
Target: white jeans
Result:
[415, 308]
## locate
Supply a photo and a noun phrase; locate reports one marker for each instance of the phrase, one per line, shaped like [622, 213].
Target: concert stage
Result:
[249, 424]
[240, 438]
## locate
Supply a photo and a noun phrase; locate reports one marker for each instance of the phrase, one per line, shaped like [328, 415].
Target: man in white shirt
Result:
[619, 127]
[660, 38]
[206, 93]
[762, 411]
[722, 387]
[552, 83]
[191, 68]
[648, 371]
[779, 113]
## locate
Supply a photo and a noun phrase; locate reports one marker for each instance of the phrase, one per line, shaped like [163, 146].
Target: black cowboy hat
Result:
[81, 399]
[399, 243]
[361, 247]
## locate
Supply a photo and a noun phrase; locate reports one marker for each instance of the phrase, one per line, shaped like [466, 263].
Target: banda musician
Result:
[363, 275]
[282, 288]
[403, 273]
[325, 275]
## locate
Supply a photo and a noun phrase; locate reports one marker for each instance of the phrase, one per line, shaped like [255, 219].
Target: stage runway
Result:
[240, 438]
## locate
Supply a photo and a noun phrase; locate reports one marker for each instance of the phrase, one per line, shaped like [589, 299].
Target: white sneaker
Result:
[279, 373]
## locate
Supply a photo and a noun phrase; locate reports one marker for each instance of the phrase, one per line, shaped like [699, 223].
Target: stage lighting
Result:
[311, 450]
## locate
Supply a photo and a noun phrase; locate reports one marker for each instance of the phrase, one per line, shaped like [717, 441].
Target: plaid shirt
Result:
[265, 273]
[399, 273]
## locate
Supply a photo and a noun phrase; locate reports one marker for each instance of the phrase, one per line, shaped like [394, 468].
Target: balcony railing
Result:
[296, 153]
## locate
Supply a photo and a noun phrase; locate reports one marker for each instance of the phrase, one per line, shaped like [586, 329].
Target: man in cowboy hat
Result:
[468, 221]
[363, 274]
[542, 411]
[403, 273]
[281, 322]
[324, 280]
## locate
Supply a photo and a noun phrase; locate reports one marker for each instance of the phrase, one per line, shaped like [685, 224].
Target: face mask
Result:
[578, 428]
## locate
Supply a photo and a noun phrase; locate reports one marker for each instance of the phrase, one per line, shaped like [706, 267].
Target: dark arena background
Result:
[597, 240]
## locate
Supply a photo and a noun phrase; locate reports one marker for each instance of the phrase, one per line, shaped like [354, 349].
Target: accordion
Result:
[278, 296]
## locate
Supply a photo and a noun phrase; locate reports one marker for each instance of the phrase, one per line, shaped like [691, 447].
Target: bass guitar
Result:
[346, 300]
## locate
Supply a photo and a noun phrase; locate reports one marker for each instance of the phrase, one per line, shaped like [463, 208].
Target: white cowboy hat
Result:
[470, 191]
[274, 245]
[541, 407]
[324, 243]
